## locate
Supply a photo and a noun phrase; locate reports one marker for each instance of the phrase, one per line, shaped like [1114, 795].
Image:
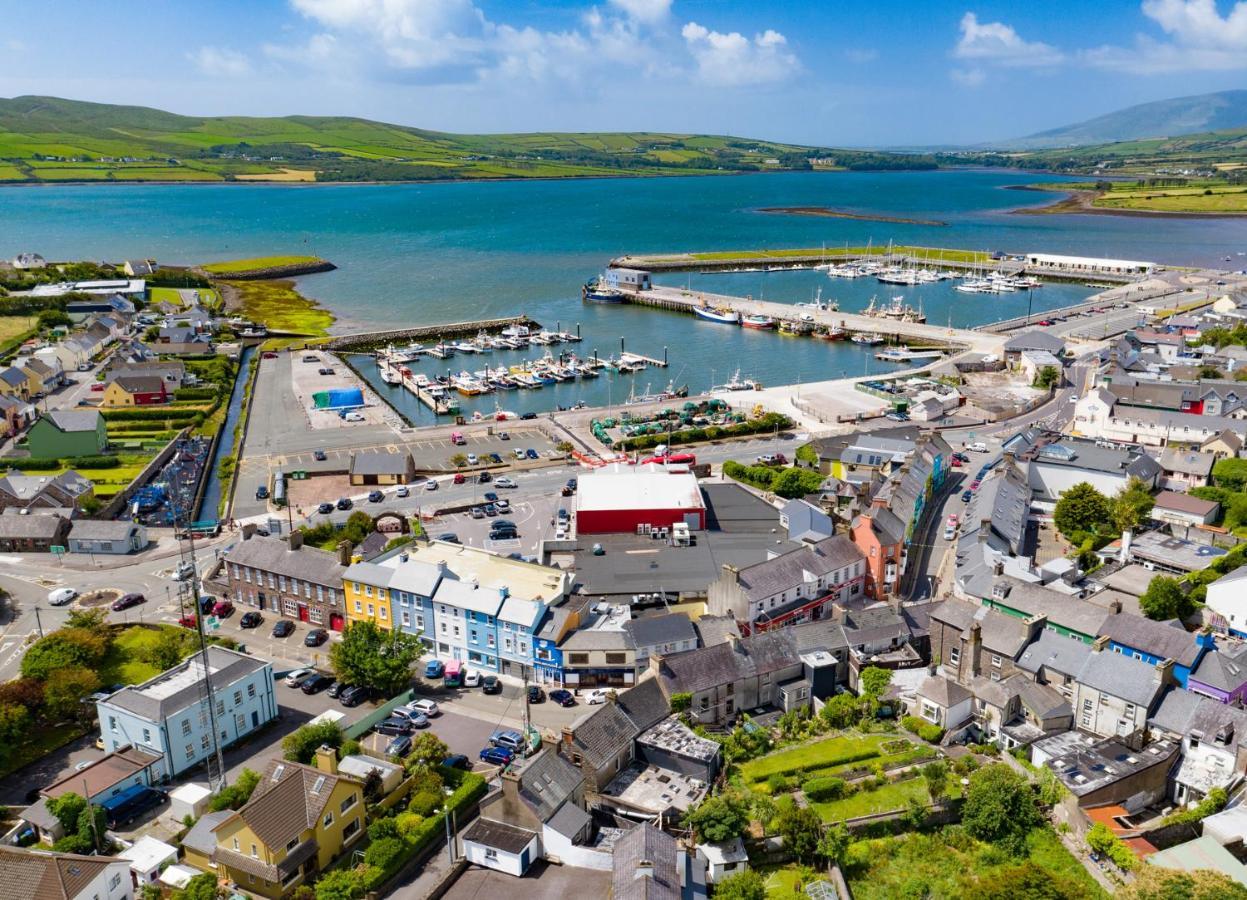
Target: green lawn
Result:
[124, 663]
[232, 266]
[893, 796]
[833, 751]
[947, 862]
[785, 883]
[171, 295]
[887, 760]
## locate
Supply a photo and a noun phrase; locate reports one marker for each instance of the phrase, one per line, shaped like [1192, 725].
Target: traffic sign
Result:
[57, 550]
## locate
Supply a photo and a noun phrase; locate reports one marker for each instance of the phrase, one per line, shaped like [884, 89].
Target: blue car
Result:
[434, 669]
[496, 756]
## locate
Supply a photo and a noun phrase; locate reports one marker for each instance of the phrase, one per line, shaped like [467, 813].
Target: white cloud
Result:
[220, 62]
[413, 34]
[1199, 38]
[998, 43]
[649, 12]
[732, 60]
[968, 77]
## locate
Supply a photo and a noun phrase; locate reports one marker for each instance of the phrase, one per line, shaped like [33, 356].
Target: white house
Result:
[497, 845]
[1097, 415]
[29, 261]
[67, 876]
[1183, 509]
[148, 857]
[169, 715]
[943, 702]
[1227, 597]
[724, 859]
[1057, 467]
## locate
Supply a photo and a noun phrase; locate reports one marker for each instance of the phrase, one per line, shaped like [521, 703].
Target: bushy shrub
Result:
[823, 789]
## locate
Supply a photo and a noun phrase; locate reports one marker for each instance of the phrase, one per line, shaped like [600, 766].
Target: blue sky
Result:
[902, 73]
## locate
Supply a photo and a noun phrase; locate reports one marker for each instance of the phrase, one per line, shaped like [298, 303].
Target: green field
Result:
[52, 139]
[234, 266]
[171, 295]
[13, 327]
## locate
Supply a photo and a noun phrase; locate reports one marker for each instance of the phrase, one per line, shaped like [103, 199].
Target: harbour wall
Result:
[369, 340]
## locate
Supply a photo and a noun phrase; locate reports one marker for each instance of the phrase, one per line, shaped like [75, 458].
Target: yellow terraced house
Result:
[298, 820]
[366, 602]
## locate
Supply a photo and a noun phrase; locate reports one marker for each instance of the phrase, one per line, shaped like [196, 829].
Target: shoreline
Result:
[1080, 203]
[832, 213]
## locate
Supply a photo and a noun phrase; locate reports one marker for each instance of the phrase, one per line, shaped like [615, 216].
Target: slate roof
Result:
[1229, 438]
[499, 835]
[72, 420]
[546, 780]
[821, 634]
[47, 875]
[645, 843]
[868, 626]
[942, 691]
[1055, 652]
[1035, 339]
[14, 377]
[274, 555]
[699, 670]
[717, 629]
[603, 734]
[669, 628]
[1183, 713]
[1186, 462]
[1036, 600]
[784, 572]
[1120, 676]
[569, 821]
[645, 704]
[140, 384]
[1225, 670]
[1160, 639]
[1043, 701]
[231, 666]
[1004, 497]
[1184, 503]
[102, 529]
[201, 837]
[35, 527]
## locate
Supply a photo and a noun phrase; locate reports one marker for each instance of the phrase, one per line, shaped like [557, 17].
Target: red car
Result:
[459, 479]
[188, 622]
[223, 608]
[974, 485]
[1044, 322]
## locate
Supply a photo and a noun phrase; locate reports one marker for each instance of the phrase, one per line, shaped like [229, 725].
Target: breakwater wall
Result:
[371, 340]
[268, 273]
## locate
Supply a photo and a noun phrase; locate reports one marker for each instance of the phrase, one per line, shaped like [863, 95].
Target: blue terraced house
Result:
[518, 620]
[1153, 642]
[555, 624]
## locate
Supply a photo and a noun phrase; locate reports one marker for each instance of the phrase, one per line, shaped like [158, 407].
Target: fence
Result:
[364, 725]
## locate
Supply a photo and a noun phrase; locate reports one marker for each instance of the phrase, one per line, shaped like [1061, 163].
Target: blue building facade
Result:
[1181, 669]
[518, 621]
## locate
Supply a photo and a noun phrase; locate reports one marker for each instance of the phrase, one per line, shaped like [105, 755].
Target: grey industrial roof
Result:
[1225, 670]
[1168, 641]
[546, 780]
[1085, 764]
[1174, 551]
[274, 555]
[1056, 652]
[1035, 339]
[70, 420]
[499, 835]
[570, 820]
[789, 570]
[665, 629]
[102, 529]
[1120, 676]
[598, 639]
[380, 462]
[231, 666]
[660, 881]
[1088, 456]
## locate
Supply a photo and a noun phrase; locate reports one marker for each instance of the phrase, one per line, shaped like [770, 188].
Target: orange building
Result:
[880, 535]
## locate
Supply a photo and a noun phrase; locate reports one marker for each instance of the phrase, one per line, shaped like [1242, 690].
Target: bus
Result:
[453, 676]
[279, 489]
[130, 804]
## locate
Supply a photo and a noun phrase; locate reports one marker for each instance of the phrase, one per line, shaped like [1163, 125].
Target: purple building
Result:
[1222, 676]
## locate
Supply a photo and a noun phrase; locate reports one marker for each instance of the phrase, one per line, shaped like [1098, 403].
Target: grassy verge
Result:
[232, 266]
[278, 306]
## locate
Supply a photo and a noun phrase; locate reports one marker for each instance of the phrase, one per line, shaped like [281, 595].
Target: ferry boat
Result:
[758, 321]
[869, 338]
[723, 316]
[597, 291]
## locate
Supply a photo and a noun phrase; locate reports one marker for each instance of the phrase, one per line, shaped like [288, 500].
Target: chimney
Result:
[248, 531]
[976, 649]
[1125, 546]
[998, 567]
[1164, 672]
[1099, 643]
[1035, 626]
[567, 736]
[296, 539]
[344, 553]
[1115, 606]
[326, 759]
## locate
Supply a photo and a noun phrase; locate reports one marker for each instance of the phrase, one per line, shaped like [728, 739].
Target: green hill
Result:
[52, 139]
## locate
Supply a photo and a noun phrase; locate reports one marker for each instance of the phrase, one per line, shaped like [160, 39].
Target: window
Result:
[616, 659]
[491, 853]
[954, 655]
[489, 639]
[1086, 720]
[190, 751]
[358, 606]
[348, 802]
[235, 843]
[420, 622]
[579, 659]
[240, 722]
[406, 619]
[220, 707]
[112, 723]
[385, 613]
[255, 852]
[294, 842]
[251, 691]
[371, 611]
[186, 727]
[368, 590]
[705, 703]
[996, 660]
[147, 735]
[1130, 710]
[204, 742]
[237, 697]
[114, 882]
[328, 819]
[350, 830]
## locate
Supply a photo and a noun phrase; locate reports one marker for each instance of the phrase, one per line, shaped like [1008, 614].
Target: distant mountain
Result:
[1221, 111]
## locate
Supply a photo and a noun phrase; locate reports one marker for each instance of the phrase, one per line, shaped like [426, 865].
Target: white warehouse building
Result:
[167, 716]
[1090, 265]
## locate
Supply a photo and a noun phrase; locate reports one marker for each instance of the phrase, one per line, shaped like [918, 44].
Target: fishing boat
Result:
[390, 375]
[598, 291]
[721, 315]
[899, 353]
[832, 333]
[515, 331]
[869, 338]
[795, 329]
[736, 383]
[761, 322]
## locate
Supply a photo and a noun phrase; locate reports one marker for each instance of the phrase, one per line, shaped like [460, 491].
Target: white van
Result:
[977, 447]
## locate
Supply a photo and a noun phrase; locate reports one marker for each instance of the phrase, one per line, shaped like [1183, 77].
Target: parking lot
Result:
[534, 518]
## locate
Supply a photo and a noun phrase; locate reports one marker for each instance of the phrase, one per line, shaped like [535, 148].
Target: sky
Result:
[828, 72]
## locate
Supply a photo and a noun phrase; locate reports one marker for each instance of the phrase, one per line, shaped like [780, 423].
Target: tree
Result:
[341, 884]
[1230, 473]
[873, 682]
[14, 724]
[802, 831]
[842, 710]
[63, 648]
[1048, 376]
[718, 818]
[427, 750]
[1000, 807]
[90, 619]
[680, 702]
[26, 693]
[459, 460]
[385, 853]
[1155, 883]
[65, 690]
[166, 650]
[1131, 506]
[1081, 508]
[936, 776]
[834, 844]
[746, 885]
[54, 318]
[793, 482]
[67, 808]
[300, 745]
[238, 793]
[201, 887]
[369, 654]
[1165, 599]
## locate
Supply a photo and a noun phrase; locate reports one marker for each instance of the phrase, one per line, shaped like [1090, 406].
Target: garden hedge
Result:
[820, 789]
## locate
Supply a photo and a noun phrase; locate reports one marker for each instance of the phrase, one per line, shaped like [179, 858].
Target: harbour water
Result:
[426, 253]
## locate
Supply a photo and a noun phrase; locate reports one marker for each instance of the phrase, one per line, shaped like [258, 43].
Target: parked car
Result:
[490, 497]
[344, 503]
[495, 458]
[317, 683]
[596, 697]
[532, 454]
[977, 447]
[223, 608]
[188, 622]
[185, 570]
[431, 484]
[449, 537]
[261, 493]
[425, 707]
[950, 532]
[496, 756]
[459, 478]
[536, 694]
[518, 453]
[503, 534]
[484, 478]
[491, 684]
[376, 496]
[472, 459]
[503, 505]
[336, 689]
[402, 491]
[563, 698]
[457, 761]
[298, 676]
[528, 416]
[315, 637]
[319, 455]
[966, 495]
[325, 508]
[434, 669]
[250, 620]
[354, 417]
[974, 485]
[490, 510]
[471, 678]
[507, 739]
[125, 601]
[398, 747]
[772, 459]
[354, 695]
[504, 436]
[393, 725]
[504, 482]
[572, 483]
[283, 628]
[477, 512]
[563, 514]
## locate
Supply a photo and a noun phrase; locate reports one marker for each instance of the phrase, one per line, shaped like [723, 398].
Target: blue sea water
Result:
[423, 253]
